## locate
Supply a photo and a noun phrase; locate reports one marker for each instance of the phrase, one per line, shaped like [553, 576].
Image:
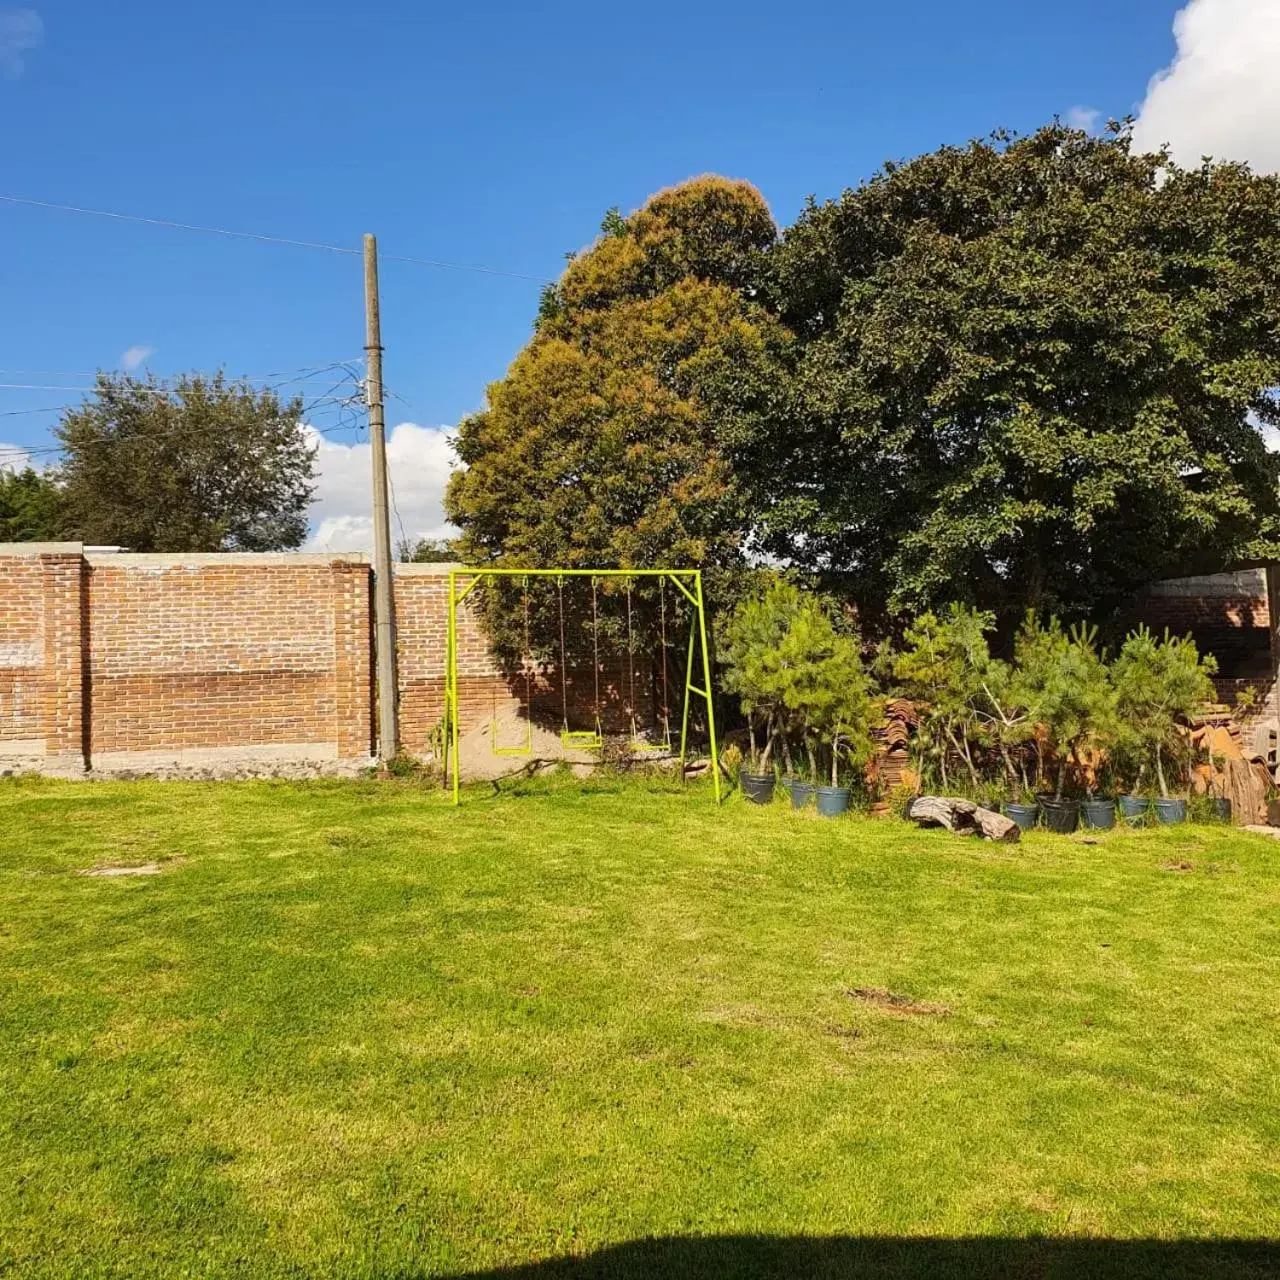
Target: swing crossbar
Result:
[688, 581]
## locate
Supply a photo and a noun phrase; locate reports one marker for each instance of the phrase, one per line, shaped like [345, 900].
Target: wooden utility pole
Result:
[383, 597]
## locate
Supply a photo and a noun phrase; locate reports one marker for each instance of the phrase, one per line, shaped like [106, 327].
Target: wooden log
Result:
[963, 818]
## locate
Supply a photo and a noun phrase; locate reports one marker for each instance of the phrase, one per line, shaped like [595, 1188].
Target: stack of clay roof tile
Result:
[892, 737]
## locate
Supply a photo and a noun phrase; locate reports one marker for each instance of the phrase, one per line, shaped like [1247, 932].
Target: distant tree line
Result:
[1029, 372]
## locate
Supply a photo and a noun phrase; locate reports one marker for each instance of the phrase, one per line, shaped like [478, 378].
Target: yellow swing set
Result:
[697, 679]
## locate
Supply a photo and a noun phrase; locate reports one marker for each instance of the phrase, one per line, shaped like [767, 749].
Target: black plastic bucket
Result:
[1221, 808]
[757, 787]
[1060, 816]
[1171, 812]
[833, 801]
[1134, 809]
[1025, 815]
[1098, 814]
[801, 793]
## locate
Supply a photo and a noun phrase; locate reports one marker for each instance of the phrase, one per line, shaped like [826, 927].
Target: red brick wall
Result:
[121, 653]
[1226, 614]
[421, 593]
[422, 619]
[22, 655]
[107, 654]
[65, 655]
[203, 652]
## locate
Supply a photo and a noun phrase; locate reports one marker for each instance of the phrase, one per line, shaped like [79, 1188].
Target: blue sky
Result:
[492, 134]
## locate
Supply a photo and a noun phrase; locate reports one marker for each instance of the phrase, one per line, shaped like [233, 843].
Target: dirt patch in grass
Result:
[143, 869]
[1177, 866]
[894, 1002]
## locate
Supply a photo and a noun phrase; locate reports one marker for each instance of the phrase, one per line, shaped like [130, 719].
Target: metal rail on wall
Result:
[687, 581]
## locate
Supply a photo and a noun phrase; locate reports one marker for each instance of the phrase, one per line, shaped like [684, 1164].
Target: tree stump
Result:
[963, 818]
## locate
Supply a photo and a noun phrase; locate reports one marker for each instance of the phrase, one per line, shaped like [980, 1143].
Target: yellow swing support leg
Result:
[698, 634]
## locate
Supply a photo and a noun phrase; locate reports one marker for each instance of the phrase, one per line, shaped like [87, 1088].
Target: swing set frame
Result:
[687, 581]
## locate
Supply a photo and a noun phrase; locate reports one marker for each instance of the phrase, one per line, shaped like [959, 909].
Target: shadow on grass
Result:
[749, 1257]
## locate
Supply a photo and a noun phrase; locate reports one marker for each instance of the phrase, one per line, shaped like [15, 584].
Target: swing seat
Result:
[590, 739]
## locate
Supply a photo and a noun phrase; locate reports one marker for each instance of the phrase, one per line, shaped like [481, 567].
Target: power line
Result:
[326, 398]
[263, 238]
[268, 380]
[53, 408]
[18, 450]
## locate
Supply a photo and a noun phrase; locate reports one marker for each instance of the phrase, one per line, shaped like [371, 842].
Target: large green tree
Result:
[31, 506]
[208, 464]
[624, 433]
[1034, 374]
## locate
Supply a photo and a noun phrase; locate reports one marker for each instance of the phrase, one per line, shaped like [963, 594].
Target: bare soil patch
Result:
[142, 869]
[894, 1002]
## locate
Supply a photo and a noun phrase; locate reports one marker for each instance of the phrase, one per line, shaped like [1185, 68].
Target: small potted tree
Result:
[1159, 684]
[1070, 689]
[752, 668]
[946, 669]
[827, 692]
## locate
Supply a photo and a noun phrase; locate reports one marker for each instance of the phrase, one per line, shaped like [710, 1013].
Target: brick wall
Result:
[422, 613]
[22, 652]
[486, 690]
[129, 661]
[1229, 616]
[108, 656]
[1225, 613]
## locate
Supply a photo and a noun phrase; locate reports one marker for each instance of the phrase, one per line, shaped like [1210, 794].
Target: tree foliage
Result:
[426, 551]
[1159, 683]
[31, 506]
[207, 465]
[800, 673]
[1033, 372]
[945, 665]
[1030, 372]
[601, 447]
[1064, 684]
[751, 658]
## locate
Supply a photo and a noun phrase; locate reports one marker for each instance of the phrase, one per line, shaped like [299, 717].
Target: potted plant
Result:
[752, 669]
[1098, 808]
[1024, 809]
[1158, 685]
[945, 668]
[827, 693]
[1068, 686]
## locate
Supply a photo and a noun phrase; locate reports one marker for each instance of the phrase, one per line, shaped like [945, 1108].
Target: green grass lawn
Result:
[349, 1031]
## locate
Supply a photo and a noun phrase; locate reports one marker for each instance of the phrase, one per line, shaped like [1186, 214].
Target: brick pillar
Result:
[66, 657]
[353, 658]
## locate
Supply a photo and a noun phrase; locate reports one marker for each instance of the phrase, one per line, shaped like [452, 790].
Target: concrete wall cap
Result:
[203, 559]
[425, 570]
[41, 548]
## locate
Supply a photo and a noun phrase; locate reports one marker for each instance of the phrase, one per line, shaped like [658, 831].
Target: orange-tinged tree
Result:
[624, 432]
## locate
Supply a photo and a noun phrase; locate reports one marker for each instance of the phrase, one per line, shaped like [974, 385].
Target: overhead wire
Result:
[264, 238]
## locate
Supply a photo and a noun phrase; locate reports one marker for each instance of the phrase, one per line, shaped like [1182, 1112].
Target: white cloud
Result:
[135, 357]
[1086, 118]
[419, 460]
[1221, 94]
[13, 457]
[20, 31]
